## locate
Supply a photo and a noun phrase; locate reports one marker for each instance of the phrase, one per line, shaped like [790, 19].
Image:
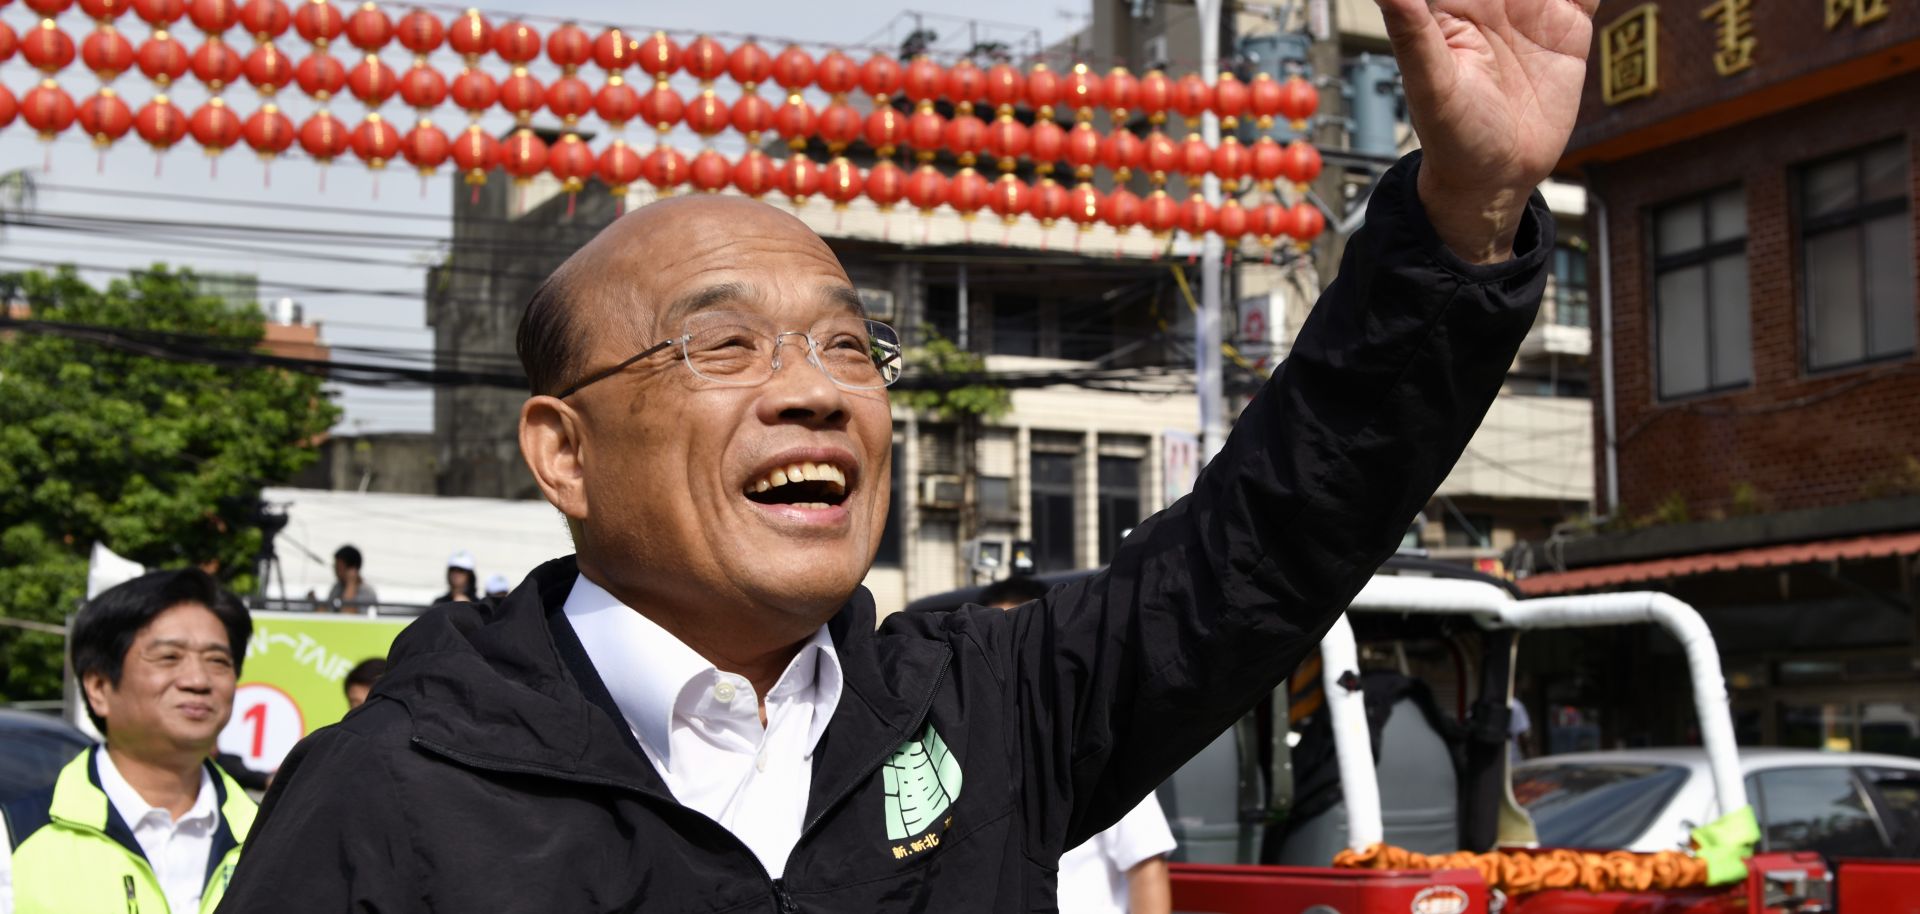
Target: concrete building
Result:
[1759, 447]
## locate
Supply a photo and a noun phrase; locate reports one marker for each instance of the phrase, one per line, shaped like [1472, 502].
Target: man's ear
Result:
[94, 687]
[552, 440]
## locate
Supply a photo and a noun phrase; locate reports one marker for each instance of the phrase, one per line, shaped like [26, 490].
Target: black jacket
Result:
[491, 771]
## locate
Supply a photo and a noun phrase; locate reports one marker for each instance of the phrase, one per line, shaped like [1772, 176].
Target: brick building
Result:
[1752, 171]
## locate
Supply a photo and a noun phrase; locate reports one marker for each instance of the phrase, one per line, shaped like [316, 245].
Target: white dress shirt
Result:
[176, 848]
[1093, 876]
[701, 727]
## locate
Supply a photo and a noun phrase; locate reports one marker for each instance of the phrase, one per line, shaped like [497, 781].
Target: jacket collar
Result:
[79, 800]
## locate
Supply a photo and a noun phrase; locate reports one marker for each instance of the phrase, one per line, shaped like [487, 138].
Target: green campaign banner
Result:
[292, 682]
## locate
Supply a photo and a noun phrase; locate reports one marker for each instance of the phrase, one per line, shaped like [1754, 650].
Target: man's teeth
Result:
[802, 472]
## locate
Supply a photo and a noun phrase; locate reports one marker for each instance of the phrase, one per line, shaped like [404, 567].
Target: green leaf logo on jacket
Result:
[922, 780]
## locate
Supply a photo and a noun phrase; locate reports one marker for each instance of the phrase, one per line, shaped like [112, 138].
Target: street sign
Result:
[292, 681]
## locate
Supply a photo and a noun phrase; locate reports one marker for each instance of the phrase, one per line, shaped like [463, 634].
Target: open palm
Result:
[1493, 85]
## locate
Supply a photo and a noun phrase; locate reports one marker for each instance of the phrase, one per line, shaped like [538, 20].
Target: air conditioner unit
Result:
[942, 491]
[1156, 53]
[878, 302]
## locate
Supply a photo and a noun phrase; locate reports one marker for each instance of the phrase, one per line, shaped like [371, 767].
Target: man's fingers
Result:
[1418, 44]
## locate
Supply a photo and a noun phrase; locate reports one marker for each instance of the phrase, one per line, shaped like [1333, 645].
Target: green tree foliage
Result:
[938, 357]
[162, 461]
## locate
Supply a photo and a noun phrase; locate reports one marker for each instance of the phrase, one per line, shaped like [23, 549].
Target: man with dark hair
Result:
[361, 678]
[696, 711]
[146, 822]
[351, 593]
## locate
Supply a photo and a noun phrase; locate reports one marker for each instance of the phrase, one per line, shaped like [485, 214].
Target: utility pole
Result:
[1206, 331]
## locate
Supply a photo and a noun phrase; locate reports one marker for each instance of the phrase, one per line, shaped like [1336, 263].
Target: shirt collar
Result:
[646, 669]
[135, 809]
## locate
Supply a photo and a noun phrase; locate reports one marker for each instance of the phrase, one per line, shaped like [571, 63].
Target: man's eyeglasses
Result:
[743, 350]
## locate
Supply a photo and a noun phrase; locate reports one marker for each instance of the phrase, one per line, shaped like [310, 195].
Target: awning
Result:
[1599, 576]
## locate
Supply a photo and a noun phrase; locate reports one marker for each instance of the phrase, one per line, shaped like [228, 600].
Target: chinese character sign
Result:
[1733, 50]
[1864, 12]
[1629, 55]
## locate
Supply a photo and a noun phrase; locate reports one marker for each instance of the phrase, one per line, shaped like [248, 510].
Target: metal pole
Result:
[1207, 334]
[960, 333]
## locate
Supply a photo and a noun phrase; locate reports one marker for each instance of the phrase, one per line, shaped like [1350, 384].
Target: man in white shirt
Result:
[146, 822]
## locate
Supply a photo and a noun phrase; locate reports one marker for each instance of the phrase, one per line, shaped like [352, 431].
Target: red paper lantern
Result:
[422, 87]
[926, 189]
[1046, 142]
[1159, 213]
[749, 66]
[1122, 91]
[1192, 97]
[753, 174]
[1121, 152]
[216, 64]
[48, 109]
[885, 129]
[9, 106]
[1043, 89]
[1267, 161]
[317, 21]
[659, 55]
[107, 53]
[619, 167]
[966, 84]
[9, 42]
[103, 11]
[160, 13]
[616, 102]
[880, 77]
[522, 95]
[613, 51]
[47, 48]
[569, 47]
[1263, 99]
[1005, 87]
[1155, 96]
[1196, 216]
[518, 43]
[1230, 100]
[572, 162]
[474, 90]
[1196, 157]
[1007, 139]
[1300, 162]
[793, 69]
[963, 136]
[372, 81]
[368, 29]
[841, 182]
[1307, 223]
[1232, 163]
[569, 99]
[752, 115]
[798, 178]
[1082, 90]
[214, 126]
[1009, 198]
[662, 107]
[266, 20]
[1298, 101]
[323, 137]
[707, 114]
[375, 141]
[470, 35]
[268, 131]
[213, 16]
[839, 125]
[924, 80]
[709, 171]
[836, 74]
[706, 59]
[925, 131]
[1049, 202]
[320, 76]
[523, 155]
[967, 192]
[665, 168]
[161, 123]
[886, 184]
[475, 152]
[267, 70]
[421, 32]
[1231, 222]
[1160, 157]
[425, 146]
[103, 116]
[48, 8]
[1083, 206]
[1083, 149]
[1270, 221]
[795, 121]
[1121, 210]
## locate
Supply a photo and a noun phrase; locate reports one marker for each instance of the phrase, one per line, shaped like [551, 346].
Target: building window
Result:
[1119, 502]
[1569, 286]
[1856, 245]
[889, 551]
[1016, 325]
[1051, 490]
[942, 315]
[1700, 294]
[1469, 531]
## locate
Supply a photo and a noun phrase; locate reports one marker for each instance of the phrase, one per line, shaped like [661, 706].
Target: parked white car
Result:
[1840, 804]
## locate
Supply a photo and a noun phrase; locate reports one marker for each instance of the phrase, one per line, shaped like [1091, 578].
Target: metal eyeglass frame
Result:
[813, 356]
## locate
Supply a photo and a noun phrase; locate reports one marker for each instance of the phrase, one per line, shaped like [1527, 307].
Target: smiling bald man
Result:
[697, 712]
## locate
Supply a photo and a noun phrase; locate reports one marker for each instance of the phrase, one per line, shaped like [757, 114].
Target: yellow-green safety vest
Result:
[74, 853]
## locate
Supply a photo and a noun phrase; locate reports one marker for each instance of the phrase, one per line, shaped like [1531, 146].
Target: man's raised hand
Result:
[1493, 87]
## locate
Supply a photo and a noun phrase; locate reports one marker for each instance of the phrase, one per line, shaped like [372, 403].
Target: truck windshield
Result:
[1599, 806]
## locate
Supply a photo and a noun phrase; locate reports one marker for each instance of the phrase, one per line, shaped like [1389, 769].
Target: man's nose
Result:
[800, 388]
[195, 676]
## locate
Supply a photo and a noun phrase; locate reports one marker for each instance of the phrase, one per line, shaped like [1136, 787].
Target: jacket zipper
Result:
[785, 901]
[133, 901]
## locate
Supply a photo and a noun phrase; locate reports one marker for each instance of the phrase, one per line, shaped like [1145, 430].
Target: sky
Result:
[367, 293]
